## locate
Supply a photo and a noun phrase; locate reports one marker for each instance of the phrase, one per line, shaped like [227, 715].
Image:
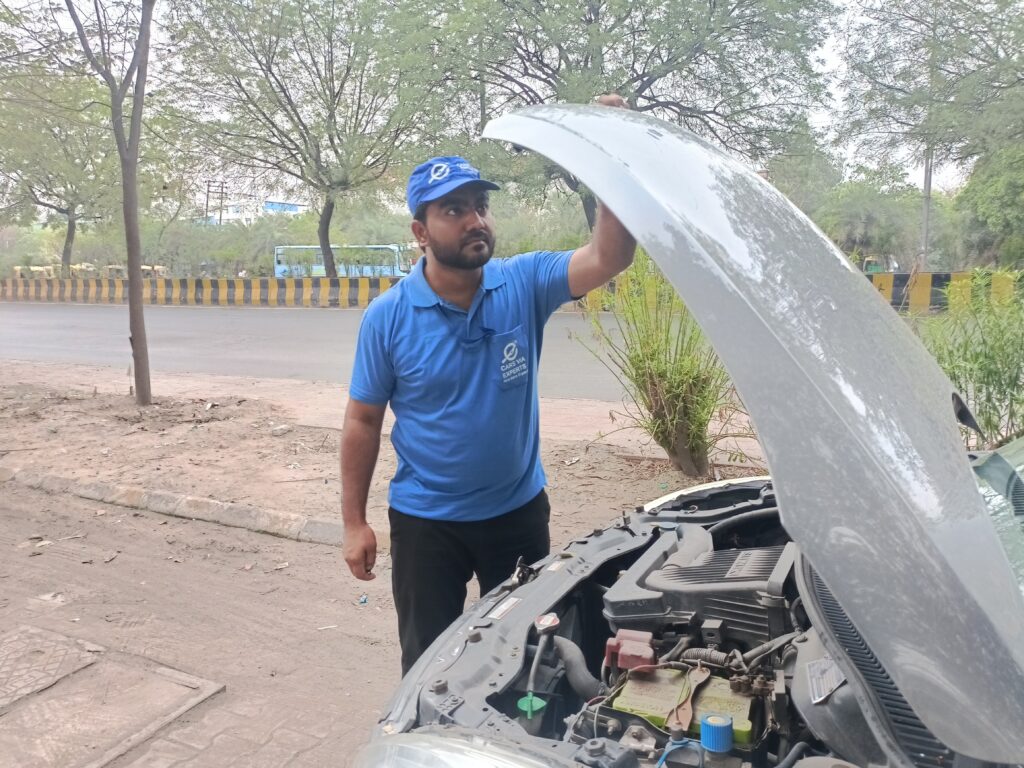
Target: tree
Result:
[317, 90]
[739, 73]
[109, 41]
[872, 214]
[114, 40]
[55, 152]
[989, 104]
[22, 247]
[993, 200]
[10, 51]
[919, 72]
[952, 243]
[803, 170]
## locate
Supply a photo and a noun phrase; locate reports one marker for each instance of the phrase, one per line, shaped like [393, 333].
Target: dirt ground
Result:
[308, 654]
[234, 447]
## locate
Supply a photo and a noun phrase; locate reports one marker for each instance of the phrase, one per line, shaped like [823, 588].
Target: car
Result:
[861, 606]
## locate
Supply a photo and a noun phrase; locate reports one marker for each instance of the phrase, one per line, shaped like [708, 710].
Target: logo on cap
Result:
[439, 171]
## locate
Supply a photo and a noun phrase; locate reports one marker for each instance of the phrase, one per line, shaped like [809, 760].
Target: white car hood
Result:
[854, 415]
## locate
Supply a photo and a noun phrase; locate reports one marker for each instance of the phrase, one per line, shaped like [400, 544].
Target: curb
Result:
[287, 525]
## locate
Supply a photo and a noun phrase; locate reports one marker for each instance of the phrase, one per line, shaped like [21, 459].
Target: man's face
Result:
[459, 229]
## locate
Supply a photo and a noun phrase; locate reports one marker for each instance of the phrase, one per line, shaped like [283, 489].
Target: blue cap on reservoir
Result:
[716, 733]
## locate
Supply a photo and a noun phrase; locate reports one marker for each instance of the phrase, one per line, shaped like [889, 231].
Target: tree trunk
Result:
[482, 96]
[926, 215]
[595, 43]
[481, 85]
[586, 198]
[128, 154]
[589, 208]
[69, 241]
[323, 232]
[128, 151]
[133, 245]
[682, 455]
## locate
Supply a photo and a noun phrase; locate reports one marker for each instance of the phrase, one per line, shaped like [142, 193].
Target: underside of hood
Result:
[854, 415]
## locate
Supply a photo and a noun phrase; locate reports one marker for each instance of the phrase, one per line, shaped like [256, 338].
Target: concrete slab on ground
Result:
[33, 659]
[70, 703]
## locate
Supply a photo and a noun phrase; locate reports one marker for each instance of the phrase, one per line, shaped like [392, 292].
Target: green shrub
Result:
[678, 390]
[979, 343]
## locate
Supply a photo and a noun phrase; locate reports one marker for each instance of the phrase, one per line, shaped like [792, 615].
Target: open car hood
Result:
[855, 417]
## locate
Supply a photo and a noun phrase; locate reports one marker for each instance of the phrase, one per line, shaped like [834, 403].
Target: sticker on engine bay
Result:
[824, 677]
[503, 607]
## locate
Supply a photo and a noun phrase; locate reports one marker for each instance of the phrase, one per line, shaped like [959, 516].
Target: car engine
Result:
[698, 632]
[693, 641]
[691, 633]
[700, 639]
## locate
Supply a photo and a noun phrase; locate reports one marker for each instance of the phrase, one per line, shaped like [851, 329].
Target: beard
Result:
[472, 253]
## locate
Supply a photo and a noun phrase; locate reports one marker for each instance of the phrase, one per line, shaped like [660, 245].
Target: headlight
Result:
[431, 750]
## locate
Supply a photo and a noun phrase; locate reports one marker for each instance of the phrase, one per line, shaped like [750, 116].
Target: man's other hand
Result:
[360, 551]
[612, 100]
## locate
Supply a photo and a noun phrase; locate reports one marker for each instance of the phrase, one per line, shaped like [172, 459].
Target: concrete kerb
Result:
[287, 525]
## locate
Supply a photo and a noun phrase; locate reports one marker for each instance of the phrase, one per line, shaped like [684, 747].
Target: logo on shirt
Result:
[514, 366]
[439, 171]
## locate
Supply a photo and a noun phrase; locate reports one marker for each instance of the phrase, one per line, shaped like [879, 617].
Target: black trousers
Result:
[433, 560]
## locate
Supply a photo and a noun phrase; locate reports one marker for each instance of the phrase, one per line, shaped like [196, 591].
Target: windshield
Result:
[1001, 480]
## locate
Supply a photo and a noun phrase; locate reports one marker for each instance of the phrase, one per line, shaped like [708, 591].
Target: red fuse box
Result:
[629, 649]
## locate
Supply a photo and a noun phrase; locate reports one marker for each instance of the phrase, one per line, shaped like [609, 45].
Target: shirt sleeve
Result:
[373, 374]
[551, 270]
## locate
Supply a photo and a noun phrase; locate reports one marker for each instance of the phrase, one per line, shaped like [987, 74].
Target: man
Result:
[454, 349]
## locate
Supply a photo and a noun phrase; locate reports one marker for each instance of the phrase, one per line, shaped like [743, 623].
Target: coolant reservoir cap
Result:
[531, 705]
[716, 733]
[546, 623]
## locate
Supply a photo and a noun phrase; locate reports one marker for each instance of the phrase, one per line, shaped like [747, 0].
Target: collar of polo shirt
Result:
[423, 295]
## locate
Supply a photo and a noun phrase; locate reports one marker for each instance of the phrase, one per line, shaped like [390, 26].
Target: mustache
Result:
[478, 235]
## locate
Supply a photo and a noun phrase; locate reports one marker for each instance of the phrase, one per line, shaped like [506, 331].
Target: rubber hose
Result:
[746, 517]
[694, 541]
[792, 613]
[541, 645]
[582, 682]
[770, 647]
[677, 649]
[794, 754]
[709, 655]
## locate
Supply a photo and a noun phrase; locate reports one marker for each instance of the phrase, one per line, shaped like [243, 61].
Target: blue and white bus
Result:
[391, 260]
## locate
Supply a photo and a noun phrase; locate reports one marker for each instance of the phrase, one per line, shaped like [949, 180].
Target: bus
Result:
[391, 260]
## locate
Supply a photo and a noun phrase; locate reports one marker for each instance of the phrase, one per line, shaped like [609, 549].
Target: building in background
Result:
[247, 210]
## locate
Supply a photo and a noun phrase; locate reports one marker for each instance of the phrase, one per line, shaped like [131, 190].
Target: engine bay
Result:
[698, 632]
[692, 632]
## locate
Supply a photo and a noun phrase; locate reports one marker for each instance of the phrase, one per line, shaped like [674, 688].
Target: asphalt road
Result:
[305, 344]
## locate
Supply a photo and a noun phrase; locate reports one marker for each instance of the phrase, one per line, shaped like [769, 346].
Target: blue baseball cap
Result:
[439, 176]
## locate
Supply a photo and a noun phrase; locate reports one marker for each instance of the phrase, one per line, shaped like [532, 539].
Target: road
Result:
[305, 344]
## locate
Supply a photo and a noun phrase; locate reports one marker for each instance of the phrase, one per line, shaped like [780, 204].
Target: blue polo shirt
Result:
[462, 386]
